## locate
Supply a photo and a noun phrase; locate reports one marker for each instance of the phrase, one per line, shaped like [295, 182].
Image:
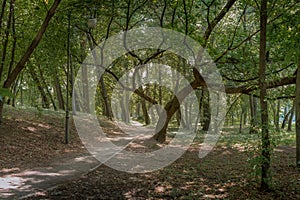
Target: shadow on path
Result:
[15, 184]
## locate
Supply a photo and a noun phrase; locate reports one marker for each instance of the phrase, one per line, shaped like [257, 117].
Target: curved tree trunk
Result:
[162, 125]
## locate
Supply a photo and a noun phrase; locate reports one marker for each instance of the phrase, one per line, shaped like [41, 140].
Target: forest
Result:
[150, 99]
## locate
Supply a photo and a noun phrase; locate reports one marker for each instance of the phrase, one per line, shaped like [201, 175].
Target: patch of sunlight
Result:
[5, 170]
[32, 129]
[160, 189]
[11, 182]
[44, 126]
[239, 147]
[215, 196]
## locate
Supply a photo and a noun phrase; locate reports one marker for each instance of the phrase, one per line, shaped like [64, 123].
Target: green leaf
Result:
[4, 92]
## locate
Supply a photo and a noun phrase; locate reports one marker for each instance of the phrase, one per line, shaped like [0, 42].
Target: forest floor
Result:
[30, 139]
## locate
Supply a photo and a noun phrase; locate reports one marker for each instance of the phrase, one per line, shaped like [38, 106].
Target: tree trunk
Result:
[2, 12]
[266, 148]
[241, 122]
[277, 116]
[286, 117]
[45, 101]
[1, 111]
[253, 113]
[291, 118]
[161, 127]
[21, 64]
[206, 111]
[108, 111]
[45, 85]
[297, 105]
[7, 32]
[61, 103]
[85, 89]
[24, 59]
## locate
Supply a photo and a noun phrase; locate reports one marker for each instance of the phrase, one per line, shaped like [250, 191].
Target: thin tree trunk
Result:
[277, 116]
[266, 148]
[145, 112]
[46, 87]
[241, 122]
[13, 49]
[124, 110]
[7, 33]
[107, 108]
[206, 111]
[2, 12]
[59, 95]
[85, 89]
[297, 105]
[108, 112]
[45, 101]
[286, 117]
[1, 111]
[291, 118]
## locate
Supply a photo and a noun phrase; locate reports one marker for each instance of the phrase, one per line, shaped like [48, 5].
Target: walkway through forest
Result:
[15, 184]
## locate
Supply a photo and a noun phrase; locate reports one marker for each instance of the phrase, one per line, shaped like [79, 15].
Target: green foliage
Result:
[4, 92]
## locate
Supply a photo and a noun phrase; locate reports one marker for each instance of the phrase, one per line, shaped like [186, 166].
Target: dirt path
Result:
[22, 181]
[18, 184]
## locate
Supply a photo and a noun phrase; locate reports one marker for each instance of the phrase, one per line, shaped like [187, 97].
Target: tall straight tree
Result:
[266, 159]
[24, 59]
[297, 102]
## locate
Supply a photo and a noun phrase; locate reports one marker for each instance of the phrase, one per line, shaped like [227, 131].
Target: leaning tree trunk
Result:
[265, 139]
[162, 125]
[24, 59]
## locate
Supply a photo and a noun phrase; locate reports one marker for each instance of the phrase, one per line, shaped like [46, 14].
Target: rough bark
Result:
[265, 140]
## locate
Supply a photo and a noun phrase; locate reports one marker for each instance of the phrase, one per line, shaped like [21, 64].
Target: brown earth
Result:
[29, 139]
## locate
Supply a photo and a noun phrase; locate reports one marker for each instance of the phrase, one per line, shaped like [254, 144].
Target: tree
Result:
[24, 59]
[297, 102]
[265, 139]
